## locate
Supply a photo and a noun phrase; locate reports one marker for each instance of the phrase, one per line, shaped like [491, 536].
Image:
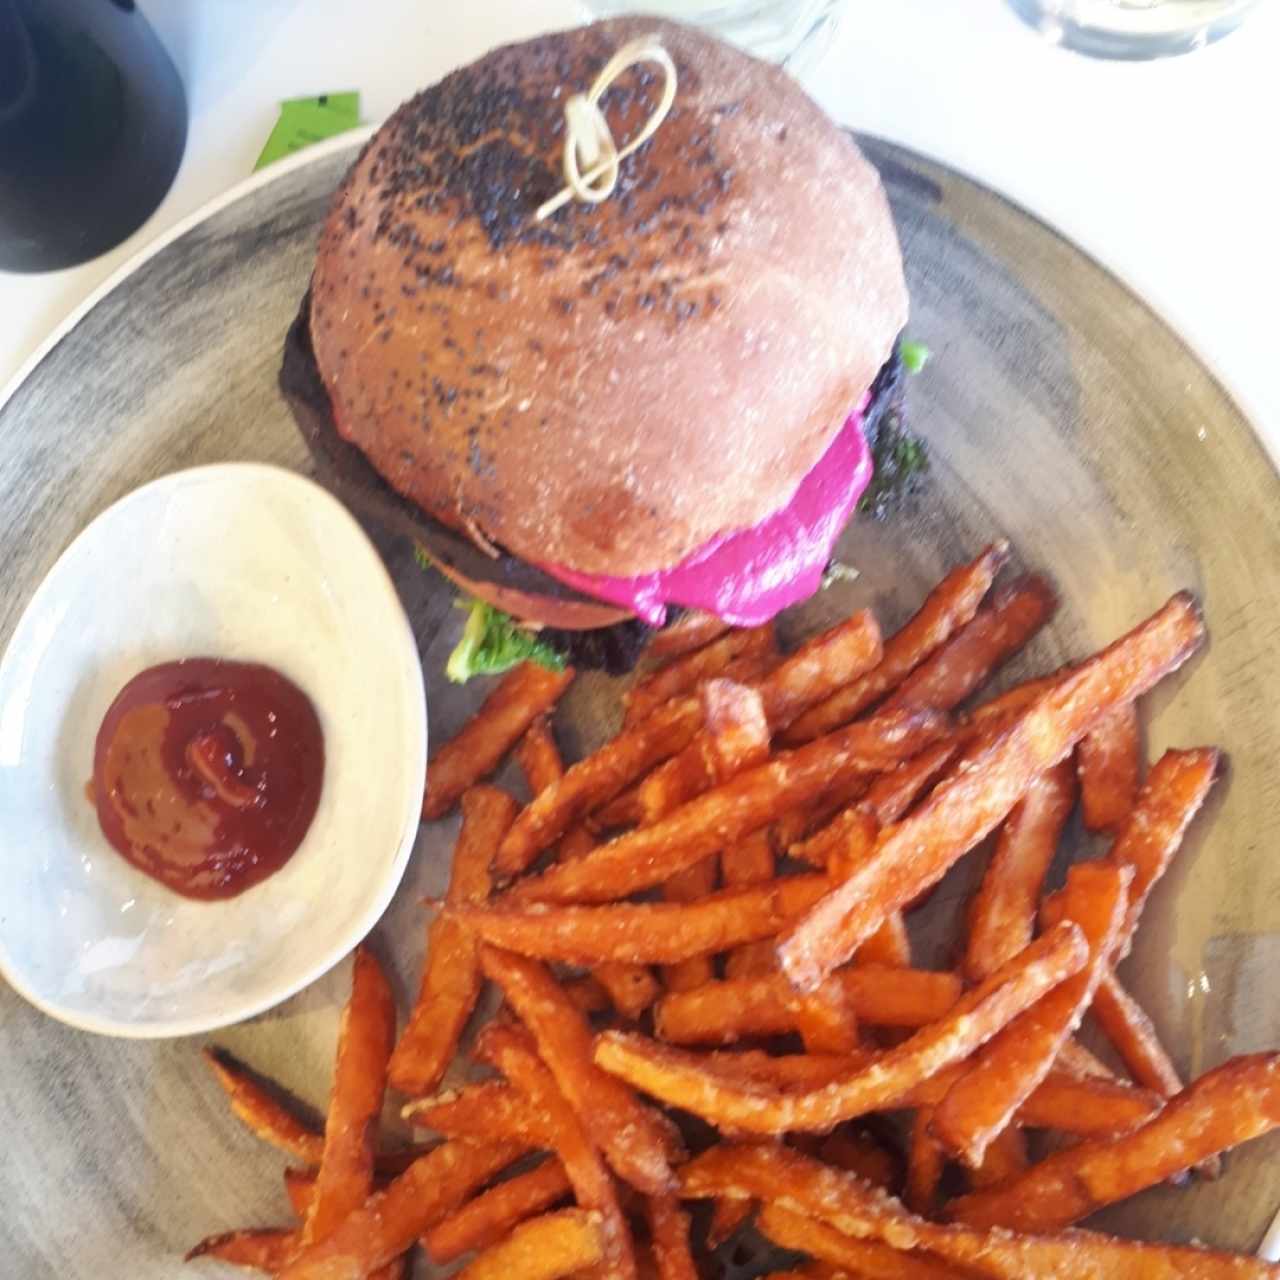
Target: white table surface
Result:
[1168, 172]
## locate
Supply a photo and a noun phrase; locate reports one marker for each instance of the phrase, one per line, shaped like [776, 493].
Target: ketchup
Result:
[207, 774]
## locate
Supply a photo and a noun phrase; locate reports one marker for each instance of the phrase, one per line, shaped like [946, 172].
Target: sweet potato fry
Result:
[772, 1173]
[626, 809]
[691, 630]
[391, 1220]
[866, 1259]
[366, 1033]
[727, 1216]
[645, 932]
[540, 762]
[669, 1229]
[490, 1216]
[1089, 1106]
[751, 960]
[731, 811]
[1110, 763]
[1229, 1105]
[545, 1248]
[965, 663]
[512, 1052]
[1005, 1158]
[576, 843]
[950, 605]
[261, 1112]
[1131, 1031]
[299, 1186]
[631, 988]
[797, 824]
[598, 778]
[451, 971]
[1068, 1104]
[637, 1142]
[859, 1152]
[519, 698]
[693, 884]
[684, 1080]
[671, 784]
[687, 672]
[848, 838]
[786, 1072]
[889, 947]
[589, 995]
[980, 725]
[735, 736]
[748, 862]
[262, 1248]
[825, 1020]
[1174, 791]
[925, 1162]
[1007, 1069]
[914, 854]
[722, 1012]
[489, 1111]
[1002, 915]
[539, 757]
[821, 666]
[735, 733]
[894, 792]
[1083, 1063]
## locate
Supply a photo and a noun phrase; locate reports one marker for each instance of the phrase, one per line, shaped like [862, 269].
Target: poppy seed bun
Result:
[610, 388]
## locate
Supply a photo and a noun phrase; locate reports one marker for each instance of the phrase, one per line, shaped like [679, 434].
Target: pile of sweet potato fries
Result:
[708, 918]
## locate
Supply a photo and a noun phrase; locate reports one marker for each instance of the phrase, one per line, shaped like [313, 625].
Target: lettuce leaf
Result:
[493, 642]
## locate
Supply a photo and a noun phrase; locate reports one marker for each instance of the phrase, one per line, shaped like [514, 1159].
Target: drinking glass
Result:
[1133, 29]
[93, 123]
[792, 32]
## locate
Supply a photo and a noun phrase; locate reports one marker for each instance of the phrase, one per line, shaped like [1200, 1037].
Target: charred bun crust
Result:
[610, 388]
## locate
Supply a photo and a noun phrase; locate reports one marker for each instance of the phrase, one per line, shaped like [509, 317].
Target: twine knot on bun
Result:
[591, 157]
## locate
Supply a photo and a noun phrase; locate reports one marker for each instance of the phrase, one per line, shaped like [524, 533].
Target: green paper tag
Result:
[304, 121]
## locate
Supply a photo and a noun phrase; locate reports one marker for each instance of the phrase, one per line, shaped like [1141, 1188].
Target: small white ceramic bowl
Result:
[238, 561]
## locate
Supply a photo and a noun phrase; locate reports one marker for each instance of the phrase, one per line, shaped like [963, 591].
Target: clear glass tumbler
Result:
[1133, 29]
[792, 32]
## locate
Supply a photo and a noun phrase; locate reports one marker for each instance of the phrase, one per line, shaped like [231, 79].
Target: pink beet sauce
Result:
[749, 576]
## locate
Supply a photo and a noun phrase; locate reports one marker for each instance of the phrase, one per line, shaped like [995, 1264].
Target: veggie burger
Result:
[598, 399]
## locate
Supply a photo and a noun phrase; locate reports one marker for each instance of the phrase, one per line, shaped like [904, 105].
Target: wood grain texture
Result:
[1063, 415]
